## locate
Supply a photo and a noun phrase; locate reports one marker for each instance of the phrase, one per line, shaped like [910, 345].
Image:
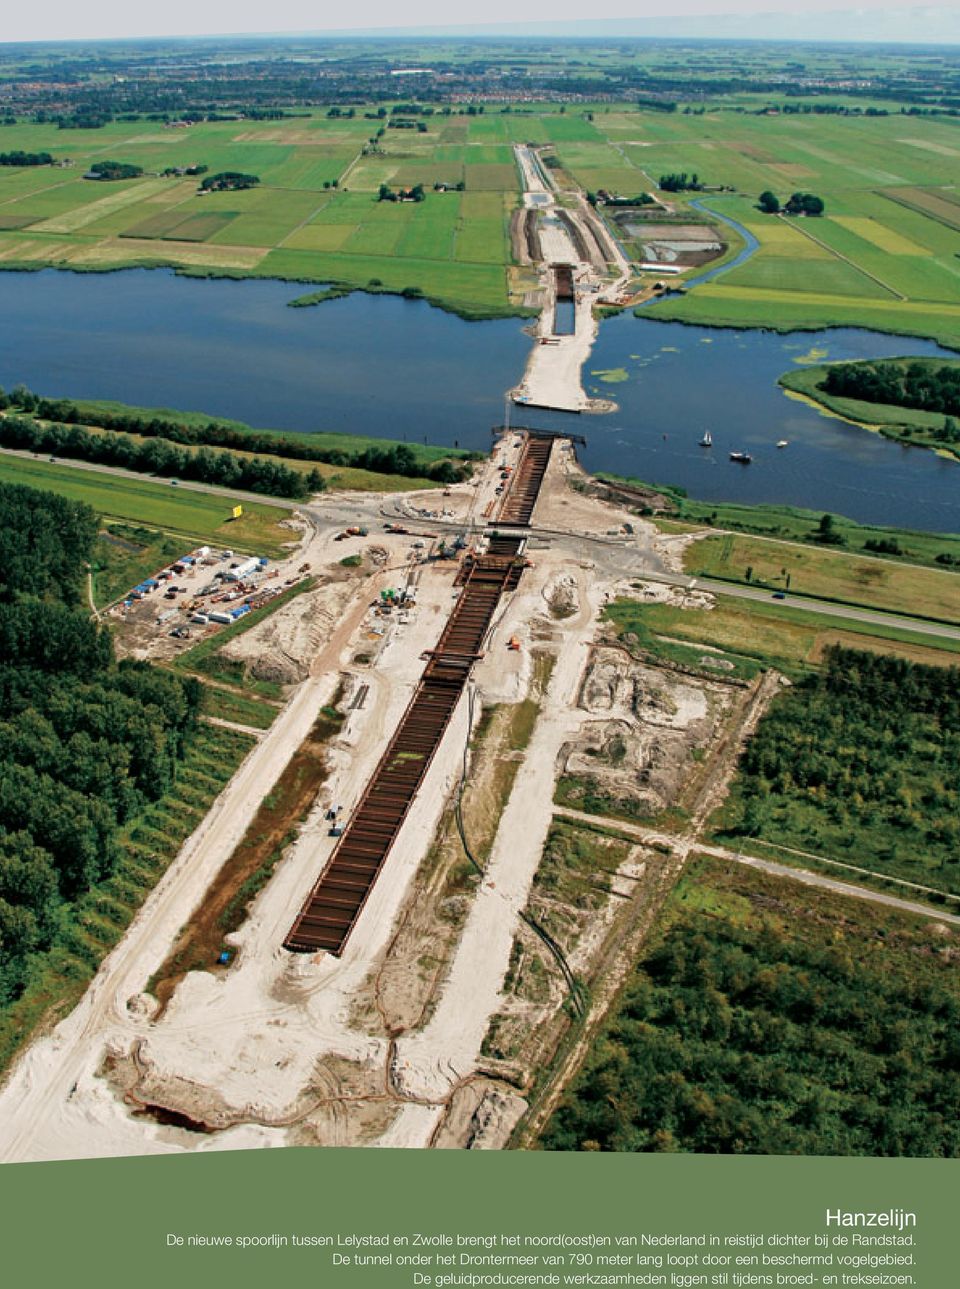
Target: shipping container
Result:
[223, 618]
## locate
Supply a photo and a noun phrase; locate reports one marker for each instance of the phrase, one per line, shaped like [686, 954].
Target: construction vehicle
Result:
[514, 644]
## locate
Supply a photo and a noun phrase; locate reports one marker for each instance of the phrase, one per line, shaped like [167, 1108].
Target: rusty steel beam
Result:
[333, 906]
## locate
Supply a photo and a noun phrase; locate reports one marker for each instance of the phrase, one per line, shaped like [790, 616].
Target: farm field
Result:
[194, 516]
[884, 255]
[792, 640]
[755, 1023]
[825, 572]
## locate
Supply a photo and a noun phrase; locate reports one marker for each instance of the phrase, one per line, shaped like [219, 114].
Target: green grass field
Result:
[774, 635]
[826, 572]
[884, 256]
[182, 512]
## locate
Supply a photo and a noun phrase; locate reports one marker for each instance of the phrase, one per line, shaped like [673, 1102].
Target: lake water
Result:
[400, 369]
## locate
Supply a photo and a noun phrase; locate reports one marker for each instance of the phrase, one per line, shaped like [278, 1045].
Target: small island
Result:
[913, 400]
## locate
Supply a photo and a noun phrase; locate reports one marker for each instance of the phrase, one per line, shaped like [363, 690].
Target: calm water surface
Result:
[401, 369]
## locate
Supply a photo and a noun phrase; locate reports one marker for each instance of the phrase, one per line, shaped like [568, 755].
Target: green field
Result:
[290, 225]
[827, 573]
[774, 635]
[883, 256]
[194, 516]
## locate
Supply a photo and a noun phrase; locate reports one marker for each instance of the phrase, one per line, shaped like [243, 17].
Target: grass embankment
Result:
[784, 310]
[196, 517]
[904, 424]
[92, 409]
[828, 573]
[250, 866]
[754, 1025]
[569, 891]
[96, 922]
[227, 705]
[205, 656]
[794, 524]
[756, 635]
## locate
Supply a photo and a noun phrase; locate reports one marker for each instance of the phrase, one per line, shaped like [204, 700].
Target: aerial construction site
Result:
[463, 824]
[412, 966]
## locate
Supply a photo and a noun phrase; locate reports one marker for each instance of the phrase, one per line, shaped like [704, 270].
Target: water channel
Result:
[400, 369]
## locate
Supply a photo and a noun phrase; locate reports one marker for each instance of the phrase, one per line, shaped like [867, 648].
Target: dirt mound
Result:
[649, 724]
[283, 646]
[561, 596]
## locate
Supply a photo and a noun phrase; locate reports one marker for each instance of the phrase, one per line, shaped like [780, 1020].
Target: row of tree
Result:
[386, 193]
[397, 458]
[18, 158]
[681, 182]
[801, 203]
[922, 386]
[228, 180]
[160, 456]
[84, 743]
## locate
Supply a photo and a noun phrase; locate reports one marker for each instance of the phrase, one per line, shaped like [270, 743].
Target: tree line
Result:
[395, 458]
[114, 170]
[85, 743]
[18, 158]
[916, 385]
[228, 180]
[160, 456]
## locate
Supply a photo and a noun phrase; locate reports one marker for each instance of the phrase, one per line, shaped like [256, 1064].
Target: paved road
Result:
[804, 875]
[846, 612]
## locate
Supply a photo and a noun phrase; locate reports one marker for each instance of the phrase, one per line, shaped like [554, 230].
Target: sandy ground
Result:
[262, 1051]
[272, 1052]
[553, 374]
[430, 1063]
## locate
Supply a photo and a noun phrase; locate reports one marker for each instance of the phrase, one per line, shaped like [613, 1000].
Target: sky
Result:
[911, 20]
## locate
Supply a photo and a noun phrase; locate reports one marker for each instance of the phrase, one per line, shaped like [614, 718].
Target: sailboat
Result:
[707, 440]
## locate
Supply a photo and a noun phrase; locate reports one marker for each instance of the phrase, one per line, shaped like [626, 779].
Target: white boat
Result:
[782, 443]
[707, 440]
